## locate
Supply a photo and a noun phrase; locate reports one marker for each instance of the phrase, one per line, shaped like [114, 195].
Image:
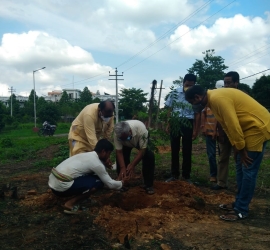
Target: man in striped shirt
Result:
[209, 130]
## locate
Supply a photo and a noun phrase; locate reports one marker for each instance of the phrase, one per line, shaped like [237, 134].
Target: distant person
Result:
[209, 130]
[231, 80]
[247, 125]
[81, 175]
[95, 121]
[185, 132]
[128, 135]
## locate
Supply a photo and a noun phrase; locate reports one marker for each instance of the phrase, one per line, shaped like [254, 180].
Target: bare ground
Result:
[177, 216]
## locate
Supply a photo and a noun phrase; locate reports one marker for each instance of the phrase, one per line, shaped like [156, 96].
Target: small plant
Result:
[7, 143]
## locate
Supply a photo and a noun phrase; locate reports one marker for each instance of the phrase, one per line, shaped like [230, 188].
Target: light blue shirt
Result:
[178, 96]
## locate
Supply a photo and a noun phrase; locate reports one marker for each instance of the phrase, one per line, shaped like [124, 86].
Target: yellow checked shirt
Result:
[245, 121]
[88, 128]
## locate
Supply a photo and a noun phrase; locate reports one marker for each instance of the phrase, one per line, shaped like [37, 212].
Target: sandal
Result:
[233, 216]
[227, 207]
[73, 210]
[149, 190]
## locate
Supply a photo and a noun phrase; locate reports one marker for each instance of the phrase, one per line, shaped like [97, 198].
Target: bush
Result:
[7, 143]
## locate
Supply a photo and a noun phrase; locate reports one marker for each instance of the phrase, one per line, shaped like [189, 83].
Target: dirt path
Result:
[177, 216]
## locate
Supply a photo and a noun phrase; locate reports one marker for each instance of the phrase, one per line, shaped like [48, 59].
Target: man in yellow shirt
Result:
[93, 122]
[247, 125]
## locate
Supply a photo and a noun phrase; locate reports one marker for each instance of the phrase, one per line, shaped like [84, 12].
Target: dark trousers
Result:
[186, 152]
[148, 165]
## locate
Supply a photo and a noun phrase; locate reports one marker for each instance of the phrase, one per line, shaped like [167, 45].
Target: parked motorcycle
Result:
[47, 129]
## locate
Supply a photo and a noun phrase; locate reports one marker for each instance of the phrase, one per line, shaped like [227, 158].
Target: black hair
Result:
[190, 77]
[194, 90]
[234, 75]
[105, 145]
[102, 104]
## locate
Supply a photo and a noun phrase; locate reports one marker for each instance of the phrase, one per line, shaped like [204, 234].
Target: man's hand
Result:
[245, 159]
[194, 136]
[122, 174]
[214, 136]
[130, 171]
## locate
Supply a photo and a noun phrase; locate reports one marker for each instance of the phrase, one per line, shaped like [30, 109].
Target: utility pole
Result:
[151, 102]
[11, 90]
[116, 79]
[159, 101]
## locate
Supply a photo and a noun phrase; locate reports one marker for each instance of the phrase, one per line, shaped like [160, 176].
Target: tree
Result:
[65, 106]
[86, 96]
[261, 91]
[209, 70]
[131, 102]
[49, 112]
[2, 115]
[244, 87]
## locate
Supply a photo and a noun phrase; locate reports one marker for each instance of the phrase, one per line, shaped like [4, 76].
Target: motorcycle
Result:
[47, 129]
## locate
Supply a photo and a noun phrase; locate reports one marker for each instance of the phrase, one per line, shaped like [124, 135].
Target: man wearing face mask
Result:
[186, 133]
[128, 135]
[247, 125]
[94, 122]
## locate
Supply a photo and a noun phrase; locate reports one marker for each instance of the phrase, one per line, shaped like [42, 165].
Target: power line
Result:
[179, 37]
[167, 32]
[250, 55]
[151, 44]
[254, 74]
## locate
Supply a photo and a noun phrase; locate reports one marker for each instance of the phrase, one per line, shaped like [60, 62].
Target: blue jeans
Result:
[211, 153]
[246, 180]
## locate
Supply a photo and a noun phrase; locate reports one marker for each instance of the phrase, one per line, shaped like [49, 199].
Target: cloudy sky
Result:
[79, 42]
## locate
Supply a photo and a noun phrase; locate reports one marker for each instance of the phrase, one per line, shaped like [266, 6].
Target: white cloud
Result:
[20, 54]
[240, 32]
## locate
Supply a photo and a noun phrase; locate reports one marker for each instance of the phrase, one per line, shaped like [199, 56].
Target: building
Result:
[55, 96]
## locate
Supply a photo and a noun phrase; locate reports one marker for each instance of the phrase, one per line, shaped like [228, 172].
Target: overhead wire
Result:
[151, 44]
[178, 37]
[167, 32]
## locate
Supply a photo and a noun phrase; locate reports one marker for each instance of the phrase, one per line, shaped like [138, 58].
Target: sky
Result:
[80, 42]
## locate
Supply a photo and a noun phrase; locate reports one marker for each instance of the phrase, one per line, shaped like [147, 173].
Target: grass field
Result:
[178, 215]
[23, 143]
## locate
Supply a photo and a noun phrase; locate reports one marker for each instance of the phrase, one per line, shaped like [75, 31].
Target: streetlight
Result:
[35, 113]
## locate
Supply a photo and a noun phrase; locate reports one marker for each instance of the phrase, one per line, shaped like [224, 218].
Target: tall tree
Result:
[49, 112]
[244, 87]
[86, 96]
[261, 91]
[65, 106]
[209, 70]
[2, 115]
[131, 101]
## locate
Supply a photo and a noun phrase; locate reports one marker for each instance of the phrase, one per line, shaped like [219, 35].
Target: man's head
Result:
[189, 81]
[219, 84]
[231, 80]
[123, 131]
[104, 148]
[106, 110]
[197, 96]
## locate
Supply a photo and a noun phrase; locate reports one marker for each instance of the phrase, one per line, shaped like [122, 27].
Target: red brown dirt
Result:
[178, 215]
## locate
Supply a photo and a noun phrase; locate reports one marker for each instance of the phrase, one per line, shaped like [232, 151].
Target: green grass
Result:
[23, 144]
[26, 130]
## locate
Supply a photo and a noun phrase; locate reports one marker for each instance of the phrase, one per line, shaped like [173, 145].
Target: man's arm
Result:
[136, 160]
[196, 125]
[101, 172]
[168, 123]
[121, 162]
[224, 110]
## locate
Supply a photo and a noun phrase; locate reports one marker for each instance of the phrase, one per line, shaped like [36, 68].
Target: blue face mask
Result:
[127, 139]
